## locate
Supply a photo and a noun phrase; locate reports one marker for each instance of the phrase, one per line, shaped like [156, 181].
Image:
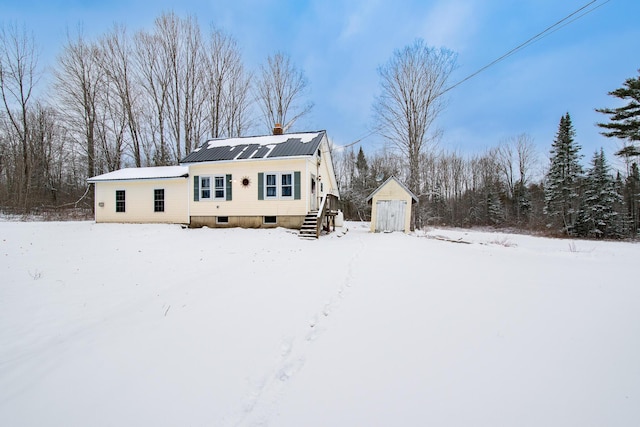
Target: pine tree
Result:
[562, 182]
[620, 206]
[624, 122]
[632, 198]
[495, 208]
[601, 198]
[362, 168]
[361, 184]
[522, 197]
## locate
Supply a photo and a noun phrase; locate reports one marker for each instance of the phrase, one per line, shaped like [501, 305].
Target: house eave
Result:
[93, 181]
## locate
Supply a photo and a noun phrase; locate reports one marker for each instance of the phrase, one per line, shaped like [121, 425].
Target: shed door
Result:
[390, 215]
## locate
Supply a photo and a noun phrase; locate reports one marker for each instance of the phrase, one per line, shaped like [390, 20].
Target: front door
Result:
[390, 215]
[314, 197]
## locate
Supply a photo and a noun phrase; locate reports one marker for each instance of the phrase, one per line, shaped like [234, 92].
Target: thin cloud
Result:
[358, 20]
[450, 24]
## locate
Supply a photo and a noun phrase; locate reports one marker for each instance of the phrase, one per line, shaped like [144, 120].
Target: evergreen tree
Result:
[632, 198]
[362, 168]
[360, 185]
[624, 122]
[601, 198]
[562, 182]
[495, 208]
[522, 199]
[620, 206]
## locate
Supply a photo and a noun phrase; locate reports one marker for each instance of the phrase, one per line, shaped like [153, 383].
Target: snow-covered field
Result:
[154, 325]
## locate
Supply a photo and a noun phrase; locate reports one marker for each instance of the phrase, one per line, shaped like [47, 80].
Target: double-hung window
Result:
[120, 201]
[219, 188]
[286, 188]
[158, 200]
[279, 185]
[271, 185]
[205, 187]
[212, 187]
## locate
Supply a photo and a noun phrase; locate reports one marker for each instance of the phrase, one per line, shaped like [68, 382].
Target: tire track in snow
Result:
[260, 404]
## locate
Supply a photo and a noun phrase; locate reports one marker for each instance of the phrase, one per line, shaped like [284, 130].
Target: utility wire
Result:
[549, 30]
[544, 33]
[573, 20]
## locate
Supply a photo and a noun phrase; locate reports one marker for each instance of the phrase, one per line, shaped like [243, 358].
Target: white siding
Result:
[244, 200]
[139, 201]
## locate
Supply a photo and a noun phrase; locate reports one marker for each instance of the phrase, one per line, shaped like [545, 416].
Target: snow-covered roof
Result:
[404, 187]
[157, 172]
[257, 147]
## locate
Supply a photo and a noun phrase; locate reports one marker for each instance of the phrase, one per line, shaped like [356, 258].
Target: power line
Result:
[547, 31]
[544, 33]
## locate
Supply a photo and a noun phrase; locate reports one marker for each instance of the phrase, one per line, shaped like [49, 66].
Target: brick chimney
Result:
[277, 129]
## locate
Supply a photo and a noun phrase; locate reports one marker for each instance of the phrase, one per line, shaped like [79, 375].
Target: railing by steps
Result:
[328, 208]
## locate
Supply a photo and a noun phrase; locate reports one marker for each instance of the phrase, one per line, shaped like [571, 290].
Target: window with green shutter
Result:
[279, 185]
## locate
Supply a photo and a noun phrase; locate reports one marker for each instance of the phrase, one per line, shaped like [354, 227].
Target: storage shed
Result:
[391, 206]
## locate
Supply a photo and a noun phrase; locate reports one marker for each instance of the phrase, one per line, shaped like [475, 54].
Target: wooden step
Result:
[309, 227]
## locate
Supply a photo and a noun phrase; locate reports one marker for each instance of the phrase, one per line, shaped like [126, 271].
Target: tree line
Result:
[128, 99]
[150, 97]
[503, 187]
[498, 187]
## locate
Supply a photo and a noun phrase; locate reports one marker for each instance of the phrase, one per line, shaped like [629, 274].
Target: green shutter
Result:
[196, 188]
[296, 185]
[228, 187]
[261, 186]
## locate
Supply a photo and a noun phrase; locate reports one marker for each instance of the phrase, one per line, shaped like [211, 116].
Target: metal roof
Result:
[257, 147]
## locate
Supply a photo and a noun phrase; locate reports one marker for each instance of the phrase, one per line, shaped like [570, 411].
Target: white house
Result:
[261, 181]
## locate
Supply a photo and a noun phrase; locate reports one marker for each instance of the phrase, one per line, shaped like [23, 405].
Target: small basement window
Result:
[222, 220]
[270, 220]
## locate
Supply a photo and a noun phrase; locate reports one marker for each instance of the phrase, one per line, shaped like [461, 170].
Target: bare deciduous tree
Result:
[181, 55]
[80, 80]
[122, 97]
[280, 92]
[515, 158]
[172, 67]
[155, 80]
[227, 86]
[413, 84]
[237, 103]
[222, 58]
[18, 77]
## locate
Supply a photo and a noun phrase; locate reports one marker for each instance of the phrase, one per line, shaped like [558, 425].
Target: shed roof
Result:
[404, 187]
[157, 172]
[257, 147]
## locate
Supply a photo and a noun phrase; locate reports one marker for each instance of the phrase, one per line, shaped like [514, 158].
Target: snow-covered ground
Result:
[113, 325]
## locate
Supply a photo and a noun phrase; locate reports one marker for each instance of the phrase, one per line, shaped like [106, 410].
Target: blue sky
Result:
[340, 45]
